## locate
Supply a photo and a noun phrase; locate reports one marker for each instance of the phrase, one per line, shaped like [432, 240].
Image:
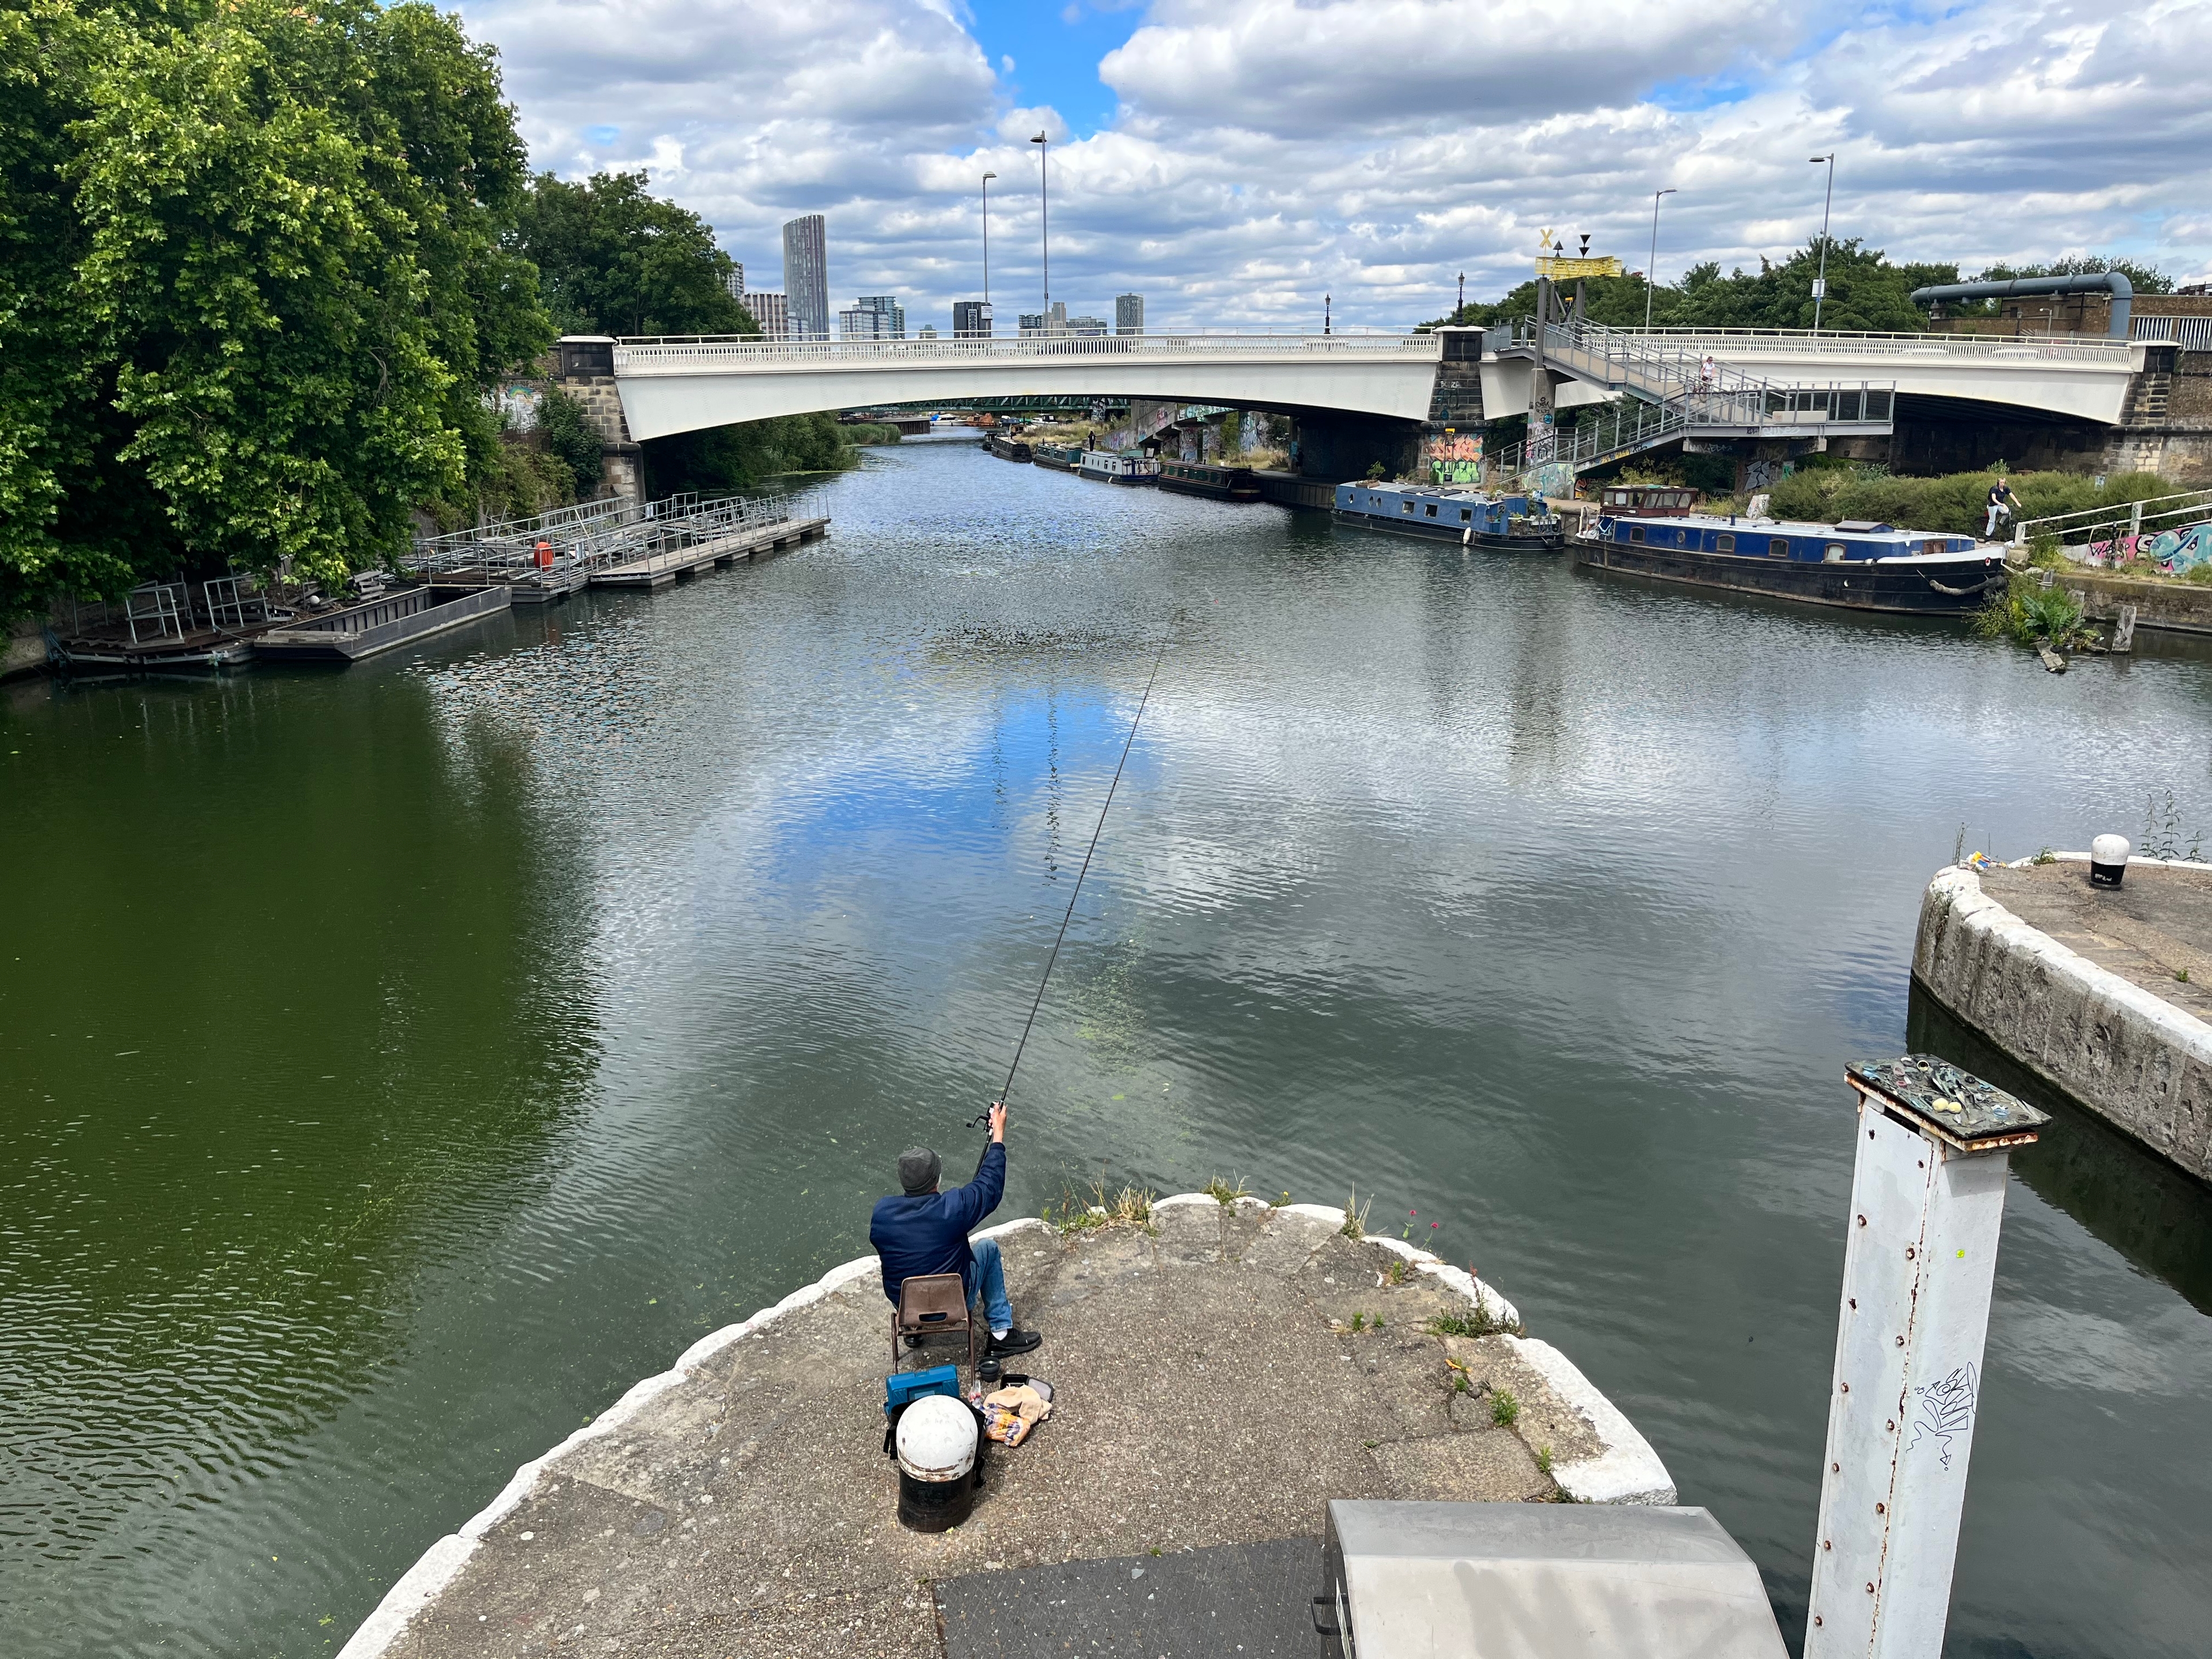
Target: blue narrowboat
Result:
[1515, 523]
[1857, 564]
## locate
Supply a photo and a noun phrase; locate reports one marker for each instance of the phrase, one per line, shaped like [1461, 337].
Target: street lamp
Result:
[987, 239]
[1651, 265]
[1821, 283]
[1044, 208]
[1326, 300]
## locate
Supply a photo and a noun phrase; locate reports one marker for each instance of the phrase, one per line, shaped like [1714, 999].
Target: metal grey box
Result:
[1538, 1581]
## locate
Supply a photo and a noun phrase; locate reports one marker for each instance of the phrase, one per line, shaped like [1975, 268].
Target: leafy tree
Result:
[612, 259]
[728, 458]
[262, 279]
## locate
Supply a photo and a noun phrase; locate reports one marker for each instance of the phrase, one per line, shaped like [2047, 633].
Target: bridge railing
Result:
[605, 532]
[1796, 342]
[678, 355]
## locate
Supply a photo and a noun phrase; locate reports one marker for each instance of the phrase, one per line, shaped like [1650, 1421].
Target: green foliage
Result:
[253, 279]
[734, 458]
[612, 259]
[1865, 291]
[1956, 504]
[2026, 612]
[862, 433]
[1504, 1409]
[574, 441]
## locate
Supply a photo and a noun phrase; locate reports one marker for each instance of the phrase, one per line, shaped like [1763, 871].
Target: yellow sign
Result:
[1563, 269]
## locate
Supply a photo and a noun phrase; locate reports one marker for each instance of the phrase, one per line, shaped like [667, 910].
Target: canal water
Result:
[396, 1064]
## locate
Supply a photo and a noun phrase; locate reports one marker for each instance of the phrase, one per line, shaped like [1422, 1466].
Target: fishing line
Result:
[1046, 978]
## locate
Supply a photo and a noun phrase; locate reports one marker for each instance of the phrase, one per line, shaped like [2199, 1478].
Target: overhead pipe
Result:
[2110, 281]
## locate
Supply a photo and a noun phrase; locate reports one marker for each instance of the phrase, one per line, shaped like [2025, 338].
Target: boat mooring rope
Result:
[1046, 977]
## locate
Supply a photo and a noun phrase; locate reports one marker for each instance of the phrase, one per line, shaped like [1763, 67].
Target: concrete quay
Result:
[1222, 1370]
[2102, 993]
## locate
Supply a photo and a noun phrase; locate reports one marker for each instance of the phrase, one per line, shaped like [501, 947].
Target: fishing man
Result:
[924, 1231]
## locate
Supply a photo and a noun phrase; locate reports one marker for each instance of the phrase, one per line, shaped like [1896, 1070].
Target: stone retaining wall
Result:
[2121, 1051]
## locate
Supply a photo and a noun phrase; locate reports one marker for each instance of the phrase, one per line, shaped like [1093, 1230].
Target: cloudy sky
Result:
[1235, 159]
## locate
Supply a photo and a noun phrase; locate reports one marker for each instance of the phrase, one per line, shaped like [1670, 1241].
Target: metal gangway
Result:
[1671, 390]
[566, 545]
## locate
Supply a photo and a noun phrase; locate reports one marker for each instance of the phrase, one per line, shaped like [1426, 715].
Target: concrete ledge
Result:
[2125, 1053]
[1600, 1457]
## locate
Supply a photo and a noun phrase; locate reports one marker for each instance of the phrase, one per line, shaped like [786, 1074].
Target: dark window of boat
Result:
[1465, 514]
[1778, 548]
[1724, 543]
[1432, 509]
[1404, 506]
[1635, 532]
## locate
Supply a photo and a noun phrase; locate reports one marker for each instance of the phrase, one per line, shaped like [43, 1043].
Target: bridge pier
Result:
[1341, 446]
[585, 366]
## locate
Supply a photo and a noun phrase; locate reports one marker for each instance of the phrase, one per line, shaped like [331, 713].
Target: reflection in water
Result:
[2138, 1203]
[294, 1029]
[619, 952]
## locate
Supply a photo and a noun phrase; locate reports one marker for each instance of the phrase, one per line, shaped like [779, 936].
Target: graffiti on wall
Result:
[1764, 475]
[1453, 458]
[2177, 552]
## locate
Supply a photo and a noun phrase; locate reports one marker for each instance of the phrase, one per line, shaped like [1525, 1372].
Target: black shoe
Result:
[1014, 1341]
[913, 1342]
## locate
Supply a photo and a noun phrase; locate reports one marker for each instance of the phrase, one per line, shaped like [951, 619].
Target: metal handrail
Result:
[1828, 342]
[676, 353]
[625, 533]
[2124, 522]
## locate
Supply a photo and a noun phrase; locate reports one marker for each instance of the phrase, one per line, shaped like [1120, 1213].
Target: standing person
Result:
[923, 1230]
[2002, 504]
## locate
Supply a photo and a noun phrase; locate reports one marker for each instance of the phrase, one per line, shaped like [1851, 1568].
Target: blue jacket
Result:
[928, 1233]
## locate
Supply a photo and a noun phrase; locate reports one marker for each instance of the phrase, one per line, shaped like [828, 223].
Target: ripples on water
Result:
[395, 1065]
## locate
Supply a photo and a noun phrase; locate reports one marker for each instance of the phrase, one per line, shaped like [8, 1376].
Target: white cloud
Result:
[1268, 151]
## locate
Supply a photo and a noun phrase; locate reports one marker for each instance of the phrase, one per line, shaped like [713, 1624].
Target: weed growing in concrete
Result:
[1130, 1207]
[2182, 974]
[1355, 1216]
[1504, 1409]
[1395, 1273]
[2046, 856]
[1544, 1462]
[2161, 833]
[1226, 1193]
[1477, 1321]
[1281, 1201]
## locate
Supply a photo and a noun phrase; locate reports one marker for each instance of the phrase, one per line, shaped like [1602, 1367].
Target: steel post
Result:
[1927, 1203]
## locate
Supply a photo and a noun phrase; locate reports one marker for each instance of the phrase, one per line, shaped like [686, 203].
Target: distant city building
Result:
[1030, 322]
[772, 313]
[1086, 326]
[885, 306]
[928, 332]
[1052, 322]
[972, 319]
[735, 282]
[1128, 314]
[806, 277]
[863, 323]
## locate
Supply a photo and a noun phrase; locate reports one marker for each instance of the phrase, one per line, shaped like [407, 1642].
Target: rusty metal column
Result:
[1927, 1204]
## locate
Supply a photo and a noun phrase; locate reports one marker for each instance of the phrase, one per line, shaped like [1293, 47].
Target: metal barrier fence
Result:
[2122, 528]
[599, 535]
[1790, 341]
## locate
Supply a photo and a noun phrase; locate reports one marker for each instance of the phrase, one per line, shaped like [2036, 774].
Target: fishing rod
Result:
[1045, 979]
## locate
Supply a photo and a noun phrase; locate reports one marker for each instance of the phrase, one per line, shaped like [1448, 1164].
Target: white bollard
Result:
[1927, 1203]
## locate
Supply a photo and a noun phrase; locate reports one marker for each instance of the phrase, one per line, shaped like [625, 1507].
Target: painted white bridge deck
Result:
[670, 386]
[679, 386]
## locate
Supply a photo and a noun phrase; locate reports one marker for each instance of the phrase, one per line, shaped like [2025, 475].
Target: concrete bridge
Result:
[1364, 397]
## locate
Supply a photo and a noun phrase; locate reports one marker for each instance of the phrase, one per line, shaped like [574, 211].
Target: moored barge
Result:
[1061, 458]
[1220, 484]
[1857, 564]
[1109, 468]
[1511, 524]
[384, 624]
[1008, 449]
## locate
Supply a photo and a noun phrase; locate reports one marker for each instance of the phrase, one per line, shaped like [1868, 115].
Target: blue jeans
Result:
[986, 1276]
